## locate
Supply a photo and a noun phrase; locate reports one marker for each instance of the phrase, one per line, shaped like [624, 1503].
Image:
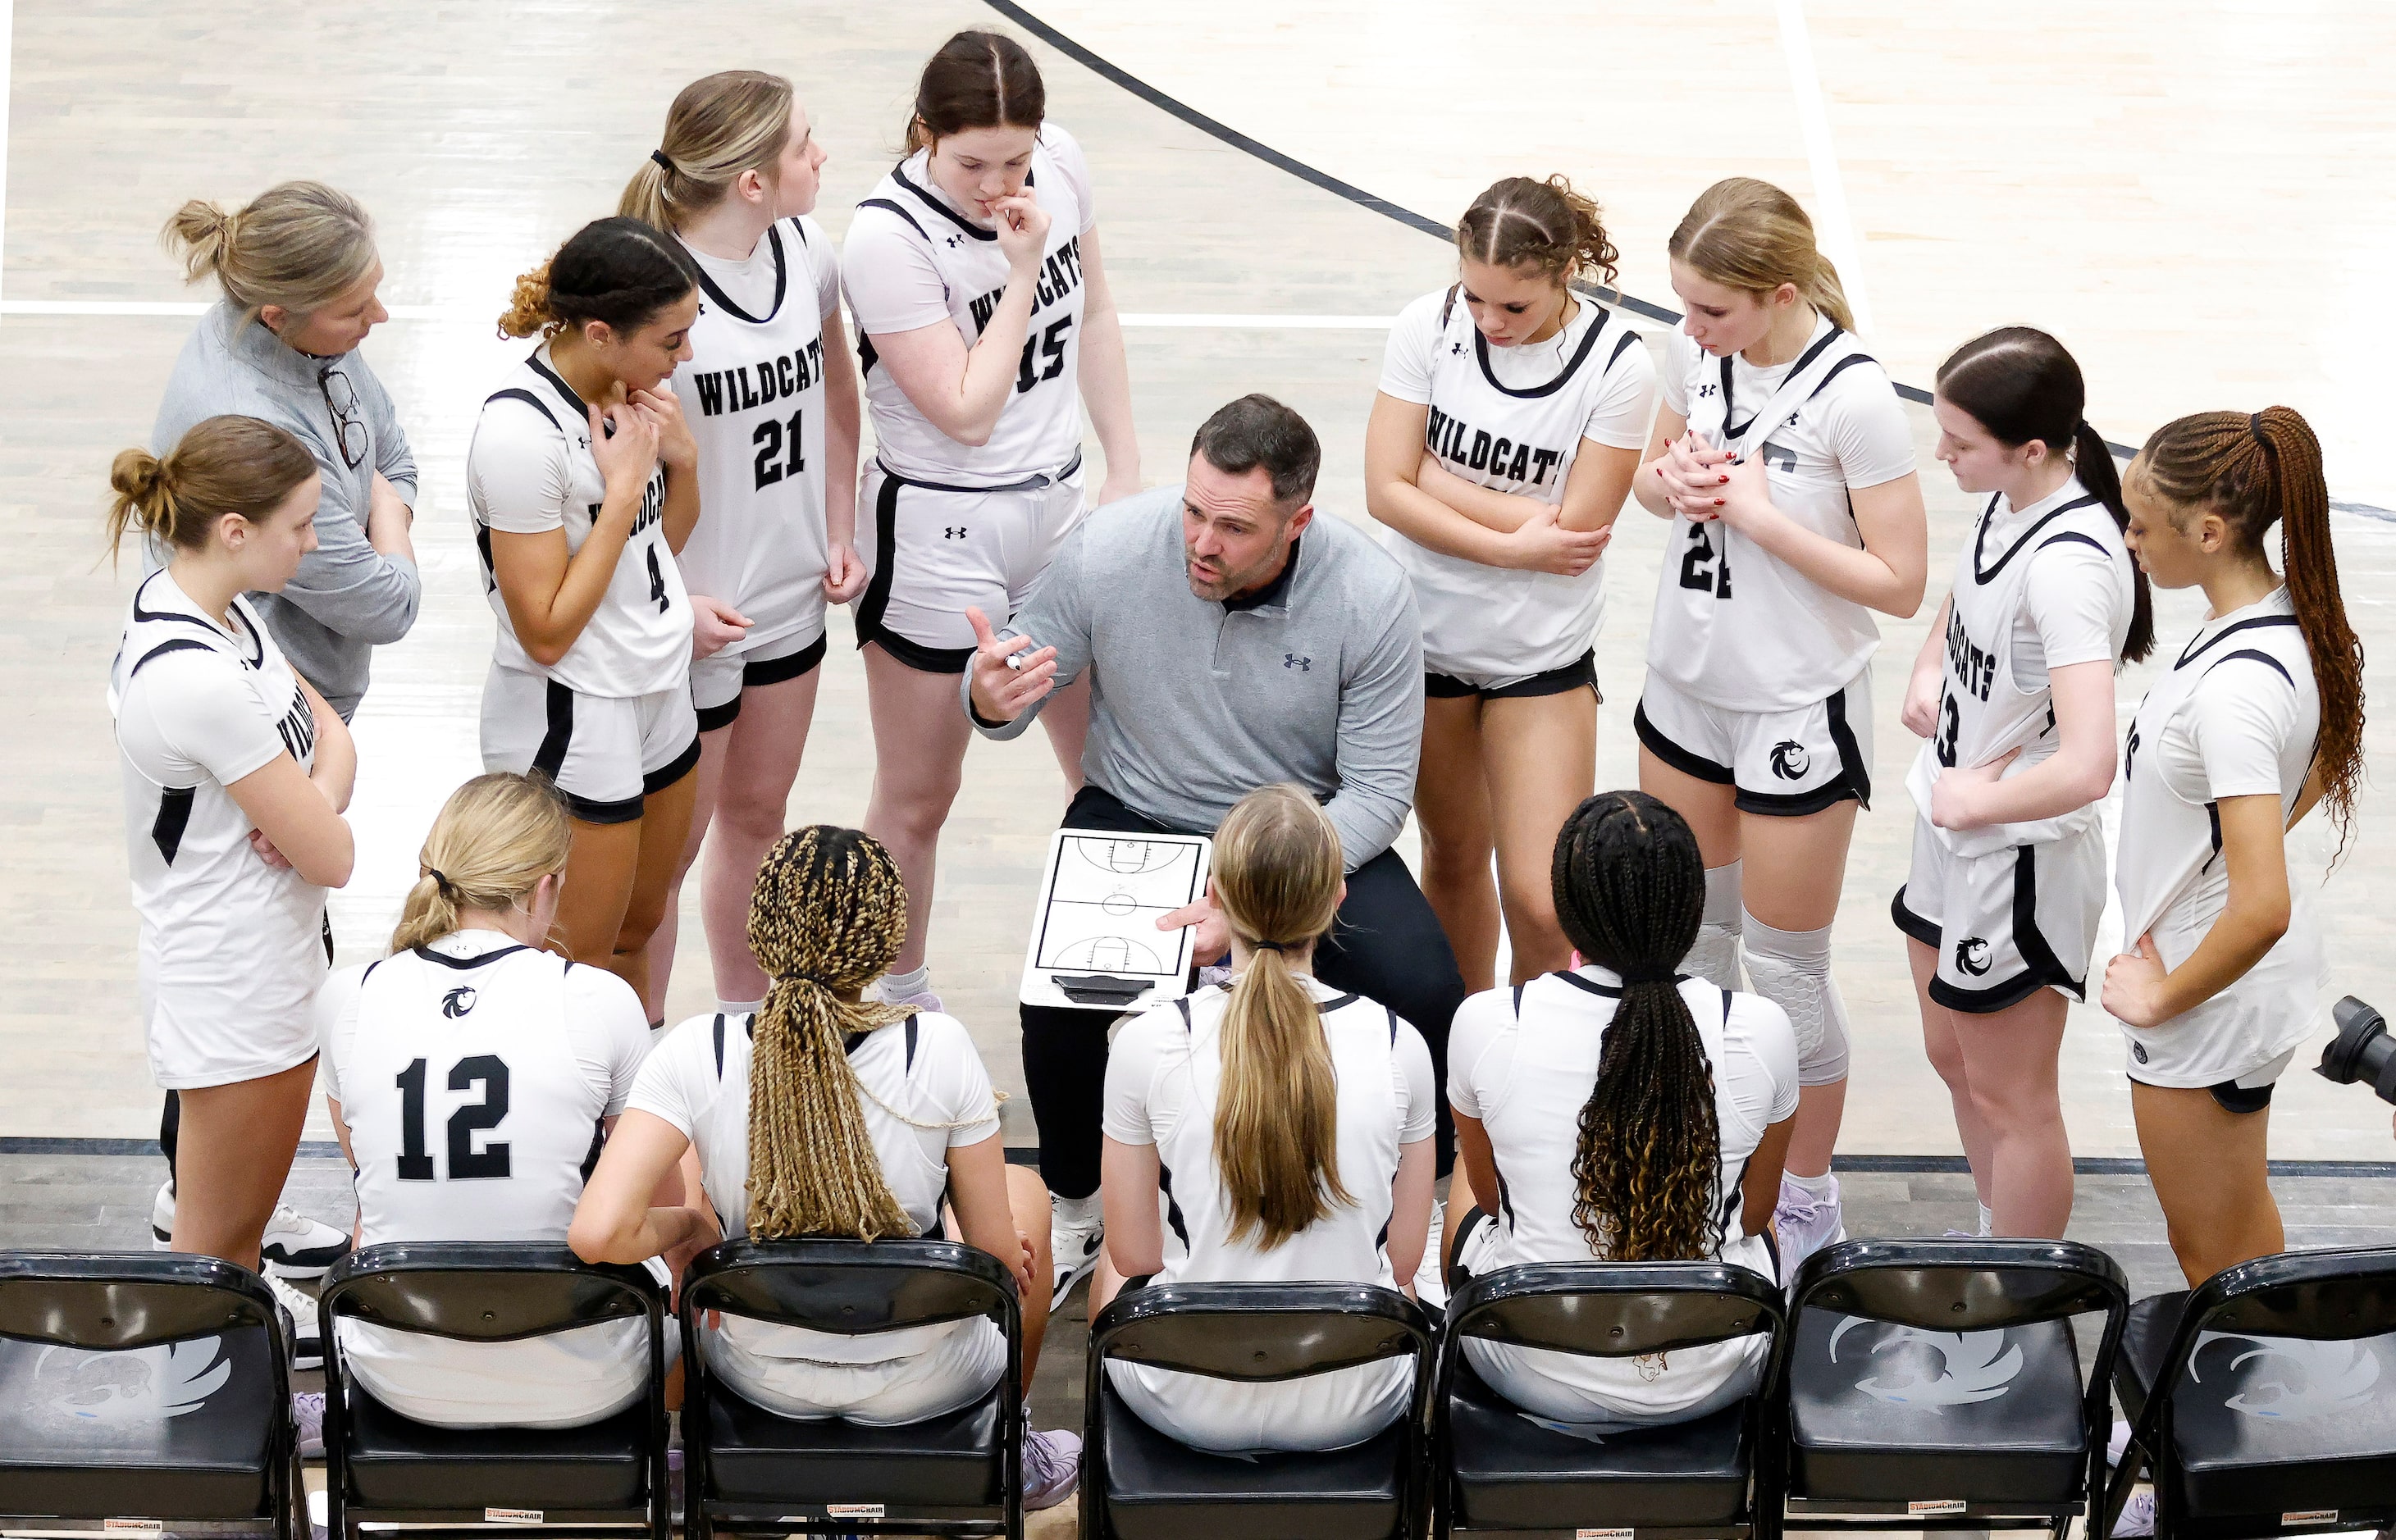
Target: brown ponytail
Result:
[1545, 225]
[2254, 471]
[223, 465]
[300, 246]
[1277, 874]
[977, 80]
[1748, 234]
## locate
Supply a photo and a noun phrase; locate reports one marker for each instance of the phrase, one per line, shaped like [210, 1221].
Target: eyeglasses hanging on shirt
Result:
[349, 422]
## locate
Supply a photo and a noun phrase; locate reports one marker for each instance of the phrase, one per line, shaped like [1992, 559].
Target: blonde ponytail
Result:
[1276, 873]
[490, 846]
[718, 127]
[298, 245]
[1750, 235]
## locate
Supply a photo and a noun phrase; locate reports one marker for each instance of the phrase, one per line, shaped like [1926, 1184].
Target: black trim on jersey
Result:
[852, 1041]
[174, 817]
[2041, 967]
[517, 393]
[2213, 818]
[1915, 926]
[719, 1042]
[257, 642]
[1988, 518]
[2263, 658]
[465, 964]
[655, 781]
[898, 175]
[884, 202]
[582, 409]
[1688, 763]
[2071, 536]
[1608, 991]
[1580, 355]
[180, 643]
[590, 1155]
[325, 930]
[551, 756]
[1172, 1207]
[2196, 648]
[782, 282]
[1795, 370]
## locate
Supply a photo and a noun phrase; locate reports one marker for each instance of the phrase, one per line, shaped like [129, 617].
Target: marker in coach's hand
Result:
[1009, 676]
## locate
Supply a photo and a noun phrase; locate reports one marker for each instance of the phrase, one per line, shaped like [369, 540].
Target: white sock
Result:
[1817, 1187]
[899, 986]
[1075, 1211]
[1714, 956]
[738, 1007]
[1988, 1220]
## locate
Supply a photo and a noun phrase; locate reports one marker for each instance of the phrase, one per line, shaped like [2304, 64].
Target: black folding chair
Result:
[2280, 1417]
[1138, 1483]
[748, 1469]
[1500, 1467]
[144, 1386]
[382, 1468]
[1937, 1385]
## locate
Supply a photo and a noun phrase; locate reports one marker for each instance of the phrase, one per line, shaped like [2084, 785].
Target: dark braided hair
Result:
[1630, 890]
[2254, 471]
[829, 913]
[620, 271]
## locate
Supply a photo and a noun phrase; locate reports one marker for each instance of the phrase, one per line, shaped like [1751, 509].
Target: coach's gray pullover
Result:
[347, 596]
[1194, 704]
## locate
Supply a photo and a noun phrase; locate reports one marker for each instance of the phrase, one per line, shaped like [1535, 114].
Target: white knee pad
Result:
[1714, 956]
[1792, 970]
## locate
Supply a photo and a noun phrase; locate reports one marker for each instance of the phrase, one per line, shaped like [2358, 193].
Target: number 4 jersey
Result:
[752, 392]
[529, 471]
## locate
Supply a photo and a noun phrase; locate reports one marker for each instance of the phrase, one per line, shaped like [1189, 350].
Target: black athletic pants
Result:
[1386, 946]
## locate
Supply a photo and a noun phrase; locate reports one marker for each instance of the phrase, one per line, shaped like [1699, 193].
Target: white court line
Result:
[1833, 224]
[7, 40]
[1228, 321]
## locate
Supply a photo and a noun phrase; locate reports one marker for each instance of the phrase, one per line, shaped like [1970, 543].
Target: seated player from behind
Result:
[1301, 1121]
[1621, 1111]
[824, 1114]
[469, 1075]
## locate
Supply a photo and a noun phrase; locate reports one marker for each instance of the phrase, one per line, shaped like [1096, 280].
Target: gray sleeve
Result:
[1057, 615]
[1380, 735]
[348, 586]
[393, 456]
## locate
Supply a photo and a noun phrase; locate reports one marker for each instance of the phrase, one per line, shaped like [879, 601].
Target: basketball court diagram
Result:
[1102, 899]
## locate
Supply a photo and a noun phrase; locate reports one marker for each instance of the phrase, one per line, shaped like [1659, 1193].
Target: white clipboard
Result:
[1095, 945]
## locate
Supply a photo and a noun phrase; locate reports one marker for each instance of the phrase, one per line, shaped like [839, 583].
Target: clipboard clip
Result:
[1100, 989]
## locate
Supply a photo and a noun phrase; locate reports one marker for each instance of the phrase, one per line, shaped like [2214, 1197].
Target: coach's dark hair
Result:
[975, 80]
[1546, 225]
[618, 269]
[229, 464]
[1258, 430]
[2254, 471]
[2021, 385]
[828, 914]
[1630, 891]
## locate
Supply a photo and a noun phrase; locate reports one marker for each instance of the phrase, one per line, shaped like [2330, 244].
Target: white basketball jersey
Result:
[1984, 710]
[1491, 621]
[1734, 627]
[1347, 1243]
[236, 937]
[637, 642]
[752, 392]
[1040, 427]
[469, 1116]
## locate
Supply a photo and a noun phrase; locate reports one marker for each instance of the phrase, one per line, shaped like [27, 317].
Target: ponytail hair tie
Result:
[1269, 945]
[663, 163]
[1651, 976]
[448, 888]
[2255, 426]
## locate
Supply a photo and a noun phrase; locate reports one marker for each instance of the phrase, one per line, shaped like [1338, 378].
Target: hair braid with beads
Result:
[1629, 890]
[828, 915]
[2254, 471]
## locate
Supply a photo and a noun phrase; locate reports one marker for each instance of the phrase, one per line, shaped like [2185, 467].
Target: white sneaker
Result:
[1431, 1279]
[2137, 1515]
[1805, 1223]
[293, 1246]
[307, 1341]
[1074, 1249]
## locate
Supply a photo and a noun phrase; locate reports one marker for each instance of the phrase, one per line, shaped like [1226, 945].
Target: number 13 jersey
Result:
[529, 471]
[913, 259]
[1734, 627]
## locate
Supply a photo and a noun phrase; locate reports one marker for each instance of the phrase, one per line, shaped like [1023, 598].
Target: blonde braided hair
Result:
[828, 916]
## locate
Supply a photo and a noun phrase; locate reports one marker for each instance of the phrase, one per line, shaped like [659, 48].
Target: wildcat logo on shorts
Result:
[2138, 1051]
[1972, 956]
[1790, 760]
[457, 1002]
[1303, 665]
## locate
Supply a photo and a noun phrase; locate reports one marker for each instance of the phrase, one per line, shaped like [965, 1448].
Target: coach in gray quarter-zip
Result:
[1233, 640]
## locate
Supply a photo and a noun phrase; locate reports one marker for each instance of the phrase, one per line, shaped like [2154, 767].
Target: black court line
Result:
[1407, 217]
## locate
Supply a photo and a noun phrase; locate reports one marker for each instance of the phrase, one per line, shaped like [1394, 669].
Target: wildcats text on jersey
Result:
[1060, 274]
[1973, 666]
[745, 386]
[1459, 443]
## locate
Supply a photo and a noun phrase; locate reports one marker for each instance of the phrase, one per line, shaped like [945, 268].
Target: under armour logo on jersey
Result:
[1303, 665]
[1972, 955]
[1790, 760]
[952, 532]
[1704, 391]
[955, 240]
[1457, 349]
[1793, 420]
[457, 1002]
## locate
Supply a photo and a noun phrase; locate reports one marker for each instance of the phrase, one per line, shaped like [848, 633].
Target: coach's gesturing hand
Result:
[1002, 691]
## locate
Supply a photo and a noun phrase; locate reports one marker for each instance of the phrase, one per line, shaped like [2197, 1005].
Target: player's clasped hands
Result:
[1695, 476]
[1007, 679]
